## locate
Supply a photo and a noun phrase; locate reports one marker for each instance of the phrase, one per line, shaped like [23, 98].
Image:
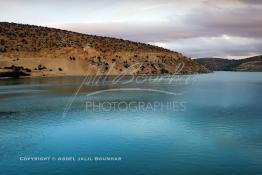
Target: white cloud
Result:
[222, 46]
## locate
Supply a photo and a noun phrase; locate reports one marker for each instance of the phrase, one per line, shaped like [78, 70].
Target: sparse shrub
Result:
[28, 70]
[40, 67]
[72, 58]
[2, 42]
[164, 71]
[2, 49]
[17, 71]
[24, 41]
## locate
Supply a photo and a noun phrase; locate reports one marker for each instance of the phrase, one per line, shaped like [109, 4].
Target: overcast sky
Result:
[197, 28]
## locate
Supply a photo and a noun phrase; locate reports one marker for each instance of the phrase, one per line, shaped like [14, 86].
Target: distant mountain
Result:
[252, 64]
[41, 51]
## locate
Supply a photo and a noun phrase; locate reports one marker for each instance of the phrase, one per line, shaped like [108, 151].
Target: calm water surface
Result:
[218, 131]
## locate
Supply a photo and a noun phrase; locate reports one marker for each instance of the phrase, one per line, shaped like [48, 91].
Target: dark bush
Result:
[2, 49]
[40, 67]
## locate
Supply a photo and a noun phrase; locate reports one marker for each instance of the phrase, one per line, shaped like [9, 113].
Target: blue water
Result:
[217, 130]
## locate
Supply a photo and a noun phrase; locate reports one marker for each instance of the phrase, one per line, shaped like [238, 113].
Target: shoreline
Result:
[103, 75]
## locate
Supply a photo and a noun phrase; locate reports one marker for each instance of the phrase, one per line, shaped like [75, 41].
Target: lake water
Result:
[216, 127]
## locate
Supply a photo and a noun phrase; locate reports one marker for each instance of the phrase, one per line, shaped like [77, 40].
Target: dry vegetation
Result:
[20, 37]
[51, 52]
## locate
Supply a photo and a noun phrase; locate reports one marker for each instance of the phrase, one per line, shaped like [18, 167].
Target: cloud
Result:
[252, 2]
[232, 3]
[195, 27]
[136, 31]
[222, 46]
[246, 22]
[202, 21]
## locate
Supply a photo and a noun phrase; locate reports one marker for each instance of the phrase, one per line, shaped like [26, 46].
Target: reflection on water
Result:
[219, 132]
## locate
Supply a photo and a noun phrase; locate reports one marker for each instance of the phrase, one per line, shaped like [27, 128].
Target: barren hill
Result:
[41, 51]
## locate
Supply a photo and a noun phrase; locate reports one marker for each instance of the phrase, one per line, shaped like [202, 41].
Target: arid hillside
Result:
[29, 50]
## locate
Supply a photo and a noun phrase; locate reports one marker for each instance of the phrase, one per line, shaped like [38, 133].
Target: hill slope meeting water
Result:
[28, 50]
[252, 64]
